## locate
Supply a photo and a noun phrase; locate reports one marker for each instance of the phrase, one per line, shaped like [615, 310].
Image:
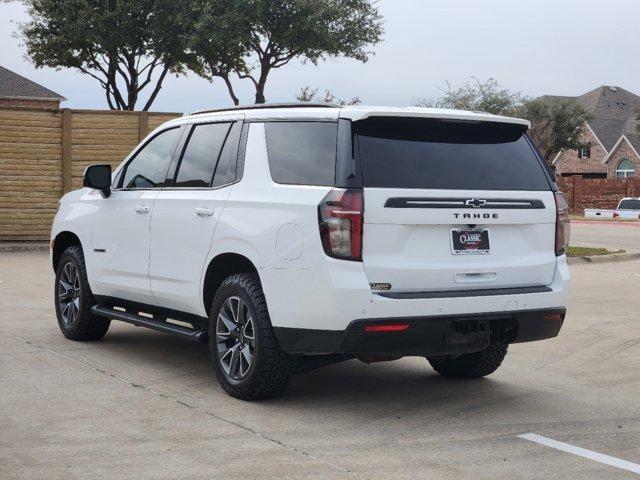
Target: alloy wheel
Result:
[235, 337]
[69, 293]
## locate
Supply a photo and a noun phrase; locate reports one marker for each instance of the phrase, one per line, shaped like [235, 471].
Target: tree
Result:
[219, 41]
[477, 96]
[310, 94]
[270, 34]
[555, 126]
[126, 45]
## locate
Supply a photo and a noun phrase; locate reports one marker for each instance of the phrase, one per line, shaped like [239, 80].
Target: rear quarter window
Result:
[435, 154]
[302, 153]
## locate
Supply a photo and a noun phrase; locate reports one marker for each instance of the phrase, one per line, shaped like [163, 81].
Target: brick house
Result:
[610, 141]
[20, 91]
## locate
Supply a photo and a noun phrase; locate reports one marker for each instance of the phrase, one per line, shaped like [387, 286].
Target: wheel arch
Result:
[61, 242]
[219, 268]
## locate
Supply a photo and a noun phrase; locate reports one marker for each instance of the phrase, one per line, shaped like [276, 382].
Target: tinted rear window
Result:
[302, 153]
[433, 154]
[629, 205]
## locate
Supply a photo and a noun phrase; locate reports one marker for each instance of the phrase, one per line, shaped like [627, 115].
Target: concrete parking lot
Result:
[611, 235]
[143, 405]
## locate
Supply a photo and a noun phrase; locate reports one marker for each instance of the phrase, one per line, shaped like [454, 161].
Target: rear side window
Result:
[435, 154]
[629, 205]
[201, 155]
[226, 169]
[302, 153]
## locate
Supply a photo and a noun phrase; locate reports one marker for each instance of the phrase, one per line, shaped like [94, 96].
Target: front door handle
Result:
[204, 212]
[141, 209]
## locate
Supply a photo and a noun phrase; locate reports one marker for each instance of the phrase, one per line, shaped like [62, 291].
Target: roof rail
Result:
[259, 106]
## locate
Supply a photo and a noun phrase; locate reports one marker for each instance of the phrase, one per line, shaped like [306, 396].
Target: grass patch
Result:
[589, 251]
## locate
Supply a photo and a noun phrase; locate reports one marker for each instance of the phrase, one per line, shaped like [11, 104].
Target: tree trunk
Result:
[157, 88]
[261, 84]
[232, 93]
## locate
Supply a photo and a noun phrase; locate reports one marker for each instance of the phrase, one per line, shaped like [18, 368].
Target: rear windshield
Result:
[629, 205]
[436, 154]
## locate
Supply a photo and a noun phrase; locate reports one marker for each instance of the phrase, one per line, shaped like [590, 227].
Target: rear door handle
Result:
[204, 212]
[141, 209]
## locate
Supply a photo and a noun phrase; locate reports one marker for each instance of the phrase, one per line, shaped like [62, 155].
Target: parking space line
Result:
[582, 452]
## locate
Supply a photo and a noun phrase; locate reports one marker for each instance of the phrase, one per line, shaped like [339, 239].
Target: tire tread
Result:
[274, 367]
[89, 327]
[472, 365]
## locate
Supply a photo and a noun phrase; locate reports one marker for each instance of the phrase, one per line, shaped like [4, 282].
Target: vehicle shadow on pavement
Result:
[352, 387]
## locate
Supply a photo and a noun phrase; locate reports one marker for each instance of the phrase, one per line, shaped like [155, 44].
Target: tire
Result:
[471, 365]
[249, 336]
[73, 299]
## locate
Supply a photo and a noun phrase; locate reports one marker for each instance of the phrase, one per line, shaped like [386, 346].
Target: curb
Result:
[617, 223]
[616, 257]
[24, 247]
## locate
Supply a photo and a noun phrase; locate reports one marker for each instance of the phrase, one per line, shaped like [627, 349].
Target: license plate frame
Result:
[470, 241]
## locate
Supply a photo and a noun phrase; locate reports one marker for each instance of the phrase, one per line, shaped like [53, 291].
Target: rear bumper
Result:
[426, 336]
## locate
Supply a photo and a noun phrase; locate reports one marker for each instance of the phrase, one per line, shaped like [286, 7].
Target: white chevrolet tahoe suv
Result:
[290, 237]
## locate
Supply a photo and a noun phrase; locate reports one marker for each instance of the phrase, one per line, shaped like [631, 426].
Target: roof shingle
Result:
[614, 112]
[13, 85]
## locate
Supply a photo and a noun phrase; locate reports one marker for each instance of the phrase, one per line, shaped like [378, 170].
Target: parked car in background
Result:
[628, 208]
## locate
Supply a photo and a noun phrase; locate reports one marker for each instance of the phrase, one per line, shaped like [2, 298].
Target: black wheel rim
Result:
[69, 293]
[235, 338]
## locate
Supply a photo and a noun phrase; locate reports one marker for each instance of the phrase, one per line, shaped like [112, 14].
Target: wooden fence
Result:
[43, 153]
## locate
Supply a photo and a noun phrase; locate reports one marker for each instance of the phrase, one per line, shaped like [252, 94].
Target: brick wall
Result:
[597, 192]
[623, 151]
[570, 162]
[25, 102]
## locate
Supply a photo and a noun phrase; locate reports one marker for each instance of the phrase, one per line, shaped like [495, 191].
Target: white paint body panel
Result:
[410, 248]
[180, 241]
[120, 227]
[162, 257]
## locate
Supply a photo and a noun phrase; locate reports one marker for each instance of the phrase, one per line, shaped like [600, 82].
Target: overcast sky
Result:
[563, 47]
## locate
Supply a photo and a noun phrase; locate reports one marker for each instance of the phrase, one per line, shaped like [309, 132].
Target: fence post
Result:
[66, 150]
[143, 125]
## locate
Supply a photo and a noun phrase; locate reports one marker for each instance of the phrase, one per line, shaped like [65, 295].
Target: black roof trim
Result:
[261, 106]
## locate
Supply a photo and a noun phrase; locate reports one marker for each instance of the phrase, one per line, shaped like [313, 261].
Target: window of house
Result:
[585, 151]
[625, 169]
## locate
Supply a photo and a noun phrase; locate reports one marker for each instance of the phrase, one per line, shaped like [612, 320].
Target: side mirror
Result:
[99, 178]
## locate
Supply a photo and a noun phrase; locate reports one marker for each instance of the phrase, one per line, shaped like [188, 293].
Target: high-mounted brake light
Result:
[340, 218]
[391, 327]
[563, 227]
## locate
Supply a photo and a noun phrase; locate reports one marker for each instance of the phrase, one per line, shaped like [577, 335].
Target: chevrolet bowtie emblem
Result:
[475, 202]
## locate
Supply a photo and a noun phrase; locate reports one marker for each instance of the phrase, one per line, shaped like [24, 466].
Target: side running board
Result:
[201, 336]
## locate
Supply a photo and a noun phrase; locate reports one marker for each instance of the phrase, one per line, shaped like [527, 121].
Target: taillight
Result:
[340, 217]
[563, 227]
